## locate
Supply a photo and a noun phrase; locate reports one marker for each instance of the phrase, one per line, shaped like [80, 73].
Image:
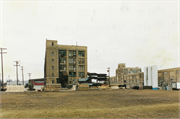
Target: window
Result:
[70, 80]
[52, 74]
[139, 70]
[52, 67]
[72, 74]
[134, 71]
[52, 60]
[74, 80]
[177, 72]
[52, 81]
[62, 60]
[52, 53]
[133, 77]
[81, 53]
[81, 60]
[52, 43]
[72, 67]
[62, 53]
[81, 74]
[130, 71]
[165, 73]
[72, 60]
[125, 71]
[81, 67]
[72, 53]
[62, 67]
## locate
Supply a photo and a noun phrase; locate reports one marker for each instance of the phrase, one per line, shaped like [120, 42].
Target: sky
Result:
[137, 33]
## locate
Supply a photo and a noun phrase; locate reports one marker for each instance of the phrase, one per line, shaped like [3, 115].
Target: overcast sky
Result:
[136, 33]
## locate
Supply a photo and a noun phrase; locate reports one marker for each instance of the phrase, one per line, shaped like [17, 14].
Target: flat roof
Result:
[72, 45]
[170, 69]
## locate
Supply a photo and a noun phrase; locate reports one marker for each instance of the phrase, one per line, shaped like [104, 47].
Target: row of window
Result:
[134, 81]
[71, 67]
[73, 74]
[71, 53]
[71, 60]
[166, 73]
[130, 71]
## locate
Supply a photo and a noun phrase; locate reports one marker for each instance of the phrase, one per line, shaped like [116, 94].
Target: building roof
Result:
[170, 69]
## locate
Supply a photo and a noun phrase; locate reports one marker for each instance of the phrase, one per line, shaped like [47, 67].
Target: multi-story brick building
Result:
[165, 78]
[64, 64]
[136, 79]
[123, 70]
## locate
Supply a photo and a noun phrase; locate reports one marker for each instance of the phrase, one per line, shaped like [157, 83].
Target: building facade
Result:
[167, 76]
[122, 70]
[64, 64]
[134, 80]
[113, 80]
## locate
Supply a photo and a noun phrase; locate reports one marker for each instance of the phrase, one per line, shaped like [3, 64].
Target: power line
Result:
[2, 65]
[17, 69]
[22, 74]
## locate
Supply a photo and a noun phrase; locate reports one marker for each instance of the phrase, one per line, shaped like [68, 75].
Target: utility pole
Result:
[76, 64]
[109, 75]
[2, 65]
[29, 75]
[22, 74]
[17, 64]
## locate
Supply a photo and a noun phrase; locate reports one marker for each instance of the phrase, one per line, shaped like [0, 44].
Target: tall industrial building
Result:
[64, 64]
[122, 70]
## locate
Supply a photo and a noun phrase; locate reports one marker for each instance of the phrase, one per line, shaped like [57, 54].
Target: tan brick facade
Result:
[123, 70]
[165, 76]
[62, 58]
[168, 76]
[134, 79]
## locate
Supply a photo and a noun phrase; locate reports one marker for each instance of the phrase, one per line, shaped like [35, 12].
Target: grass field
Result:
[91, 104]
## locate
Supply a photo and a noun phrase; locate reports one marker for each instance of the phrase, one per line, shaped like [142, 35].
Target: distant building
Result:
[134, 79]
[19, 82]
[165, 78]
[113, 80]
[61, 65]
[122, 70]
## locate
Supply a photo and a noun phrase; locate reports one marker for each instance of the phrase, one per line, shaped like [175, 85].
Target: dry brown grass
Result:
[91, 104]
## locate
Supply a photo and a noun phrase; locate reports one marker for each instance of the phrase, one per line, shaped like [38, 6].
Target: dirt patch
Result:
[91, 104]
